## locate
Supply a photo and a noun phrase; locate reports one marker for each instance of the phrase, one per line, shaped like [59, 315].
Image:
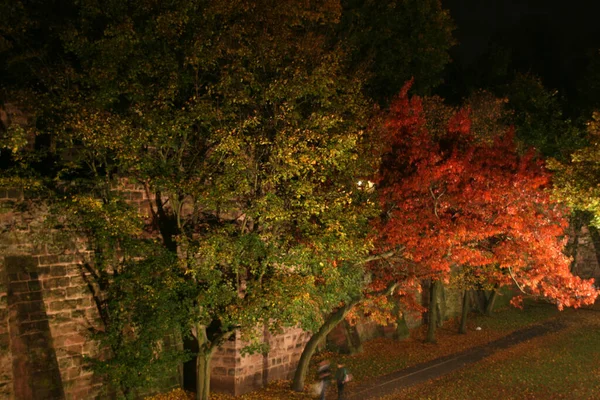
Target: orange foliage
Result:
[453, 200]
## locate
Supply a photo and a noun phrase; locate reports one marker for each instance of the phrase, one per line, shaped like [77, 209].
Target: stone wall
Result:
[586, 263]
[237, 374]
[46, 311]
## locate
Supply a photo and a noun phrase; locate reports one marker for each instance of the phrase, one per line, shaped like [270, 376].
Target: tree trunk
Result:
[352, 338]
[402, 331]
[489, 307]
[203, 380]
[480, 300]
[178, 342]
[465, 313]
[595, 236]
[203, 364]
[441, 304]
[331, 322]
[433, 311]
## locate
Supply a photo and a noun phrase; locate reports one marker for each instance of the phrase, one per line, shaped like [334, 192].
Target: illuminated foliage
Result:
[577, 180]
[237, 119]
[538, 117]
[456, 200]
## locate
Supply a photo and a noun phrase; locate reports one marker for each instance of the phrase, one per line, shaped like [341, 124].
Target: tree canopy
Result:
[237, 119]
[455, 200]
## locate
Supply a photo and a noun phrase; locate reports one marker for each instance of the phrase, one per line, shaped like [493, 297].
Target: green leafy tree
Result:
[237, 119]
[538, 117]
[576, 180]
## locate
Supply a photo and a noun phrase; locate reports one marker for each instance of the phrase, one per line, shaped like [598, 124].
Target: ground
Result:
[535, 353]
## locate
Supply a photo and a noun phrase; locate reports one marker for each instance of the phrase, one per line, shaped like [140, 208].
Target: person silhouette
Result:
[324, 375]
[341, 377]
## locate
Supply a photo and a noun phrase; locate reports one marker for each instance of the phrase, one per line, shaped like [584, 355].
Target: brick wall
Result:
[236, 374]
[46, 311]
[586, 259]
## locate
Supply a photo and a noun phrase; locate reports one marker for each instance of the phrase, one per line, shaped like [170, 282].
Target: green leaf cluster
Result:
[242, 124]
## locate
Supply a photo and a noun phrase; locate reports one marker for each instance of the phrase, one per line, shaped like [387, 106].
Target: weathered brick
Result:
[60, 317]
[73, 372]
[29, 307]
[90, 347]
[78, 361]
[56, 294]
[67, 258]
[57, 305]
[76, 281]
[33, 326]
[85, 302]
[74, 339]
[137, 196]
[52, 283]
[74, 349]
[34, 285]
[75, 292]
[14, 193]
[76, 394]
[37, 316]
[70, 304]
[76, 314]
[27, 296]
[48, 260]
[65, 362]
[18, 287]
[58, 270]
[91, 313]
[4, 342]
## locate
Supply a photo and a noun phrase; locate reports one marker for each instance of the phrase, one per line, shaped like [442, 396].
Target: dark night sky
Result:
[478, 21]
[550, 39]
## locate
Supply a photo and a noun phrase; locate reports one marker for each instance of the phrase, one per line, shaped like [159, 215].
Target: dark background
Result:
[557, 41]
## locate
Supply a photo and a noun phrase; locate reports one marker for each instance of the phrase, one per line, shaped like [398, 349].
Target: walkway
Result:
[390, 383]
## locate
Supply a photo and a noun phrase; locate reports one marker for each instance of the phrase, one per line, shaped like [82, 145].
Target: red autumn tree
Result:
[454, 200]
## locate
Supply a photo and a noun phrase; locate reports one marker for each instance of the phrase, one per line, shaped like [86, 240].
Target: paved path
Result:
[390, 383]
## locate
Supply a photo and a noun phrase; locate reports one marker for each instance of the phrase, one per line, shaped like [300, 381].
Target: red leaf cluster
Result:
[455, 201]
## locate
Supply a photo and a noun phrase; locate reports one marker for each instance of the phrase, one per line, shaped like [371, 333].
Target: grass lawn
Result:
[560, 365]
[382, 356]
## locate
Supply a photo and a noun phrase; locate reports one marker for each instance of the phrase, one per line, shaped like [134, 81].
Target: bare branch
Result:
[517, 283]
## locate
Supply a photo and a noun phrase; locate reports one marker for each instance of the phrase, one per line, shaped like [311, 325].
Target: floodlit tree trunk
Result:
[331, 322]
[352, 338]
[465, 312]
[577, 221]
[203, 380]
[178, 342]
[480, 300]
[441, 304]
[595, 235]
[203, 364]
[402, 331]
[433, 311]
[489, 307]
